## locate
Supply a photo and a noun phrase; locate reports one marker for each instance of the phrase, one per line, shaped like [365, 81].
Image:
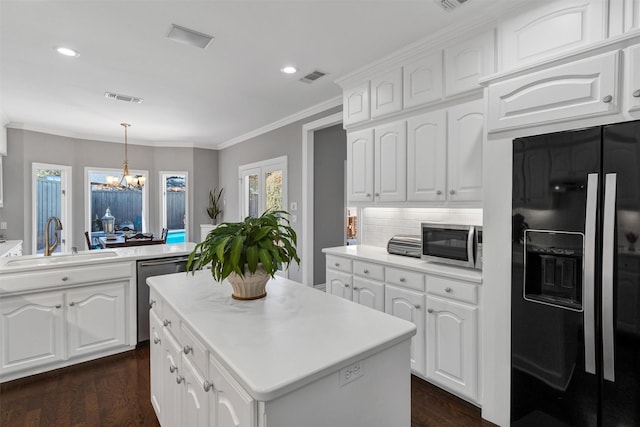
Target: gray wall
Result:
[284, 141]
[329, 155]
[26, 147]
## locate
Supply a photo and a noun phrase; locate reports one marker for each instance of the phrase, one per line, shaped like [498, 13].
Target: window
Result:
[173, 197]
[51, 193]
[263, 186]
[129, 206]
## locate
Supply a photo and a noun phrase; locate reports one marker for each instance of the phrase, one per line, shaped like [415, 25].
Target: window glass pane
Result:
[273, 185]
[253, 194]
[175, 205]
[125, 204]
[48, 204]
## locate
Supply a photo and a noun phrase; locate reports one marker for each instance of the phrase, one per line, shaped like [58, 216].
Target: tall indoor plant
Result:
[247, 253]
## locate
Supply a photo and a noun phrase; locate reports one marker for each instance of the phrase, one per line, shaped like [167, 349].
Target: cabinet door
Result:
[339, 283]
[422, 80]
[452, 348]
[550, 29]
[467, 62]
[409, 305]
[230, 405]
[172, 387]
[360, 166]
[369, 293]
[466, 135]
[96, 318]
[391, 162]
[624, 16]
[386, 93]
[155, 362]
[633, 87]
[32, 330]
[586, 88]
[427, 157]
[195, 403]
[355, 104]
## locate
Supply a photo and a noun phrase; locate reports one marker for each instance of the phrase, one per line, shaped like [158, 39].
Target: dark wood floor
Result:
[114, 391]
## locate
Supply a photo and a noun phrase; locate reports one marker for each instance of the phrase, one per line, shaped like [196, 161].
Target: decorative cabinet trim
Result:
[422, 80]
[465, 63]
[386, 93]
[356, 104]
[624, 16]
[633, 88]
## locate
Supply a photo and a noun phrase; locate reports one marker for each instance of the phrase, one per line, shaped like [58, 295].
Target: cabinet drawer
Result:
[53, 278]
[369, 270]
[452, 289]
[404, 278]
[337, 263]
[193, 349]
[171, 321]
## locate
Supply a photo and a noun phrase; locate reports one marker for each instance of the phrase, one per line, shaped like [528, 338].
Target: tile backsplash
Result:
[378, 225]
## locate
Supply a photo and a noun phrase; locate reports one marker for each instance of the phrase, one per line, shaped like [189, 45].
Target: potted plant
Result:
[214, 199]
[247, 253]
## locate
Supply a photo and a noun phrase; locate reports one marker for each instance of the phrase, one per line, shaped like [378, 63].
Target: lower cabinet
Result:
[339, 284]
[369, 293]
[229, 404]
[156, 363]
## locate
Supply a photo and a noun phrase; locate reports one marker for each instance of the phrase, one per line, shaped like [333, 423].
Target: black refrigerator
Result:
[575, 297]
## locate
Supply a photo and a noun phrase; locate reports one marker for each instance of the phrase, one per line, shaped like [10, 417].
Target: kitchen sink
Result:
[59, 259]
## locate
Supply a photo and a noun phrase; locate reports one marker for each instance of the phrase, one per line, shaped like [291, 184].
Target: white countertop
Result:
[381, 256]
[129, 253]
[277, 344]
[8, 246]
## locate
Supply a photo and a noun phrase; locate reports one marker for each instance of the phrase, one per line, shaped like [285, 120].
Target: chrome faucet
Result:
[48, 248]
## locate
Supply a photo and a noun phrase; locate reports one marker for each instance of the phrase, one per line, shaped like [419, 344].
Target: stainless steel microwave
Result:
[452, 244]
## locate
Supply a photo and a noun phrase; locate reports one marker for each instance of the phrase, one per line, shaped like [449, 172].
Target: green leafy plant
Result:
[267, 239]
[214, 199]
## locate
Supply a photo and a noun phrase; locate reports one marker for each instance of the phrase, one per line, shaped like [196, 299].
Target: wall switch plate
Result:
[293, 206]
[351, 373]
[3, 225]
[294, 218]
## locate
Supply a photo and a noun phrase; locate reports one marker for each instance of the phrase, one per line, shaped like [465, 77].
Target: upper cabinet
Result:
[386, 93]
[360, 166]
[422, 80]
[632, 89]
[427, 156]
[466, 134]
[624, 16]
[355, 104]
[551, 29]
[465, 63]
[390, 153]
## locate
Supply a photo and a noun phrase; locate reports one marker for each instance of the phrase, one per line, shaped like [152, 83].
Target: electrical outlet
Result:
[3, 225]
[293, 206]
[294, 218]
[351, 373]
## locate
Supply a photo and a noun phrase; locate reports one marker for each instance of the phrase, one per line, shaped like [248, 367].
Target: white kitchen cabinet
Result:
[355, 104]
[96, 318]
[339, 283]
[550, 29]
[360, 166]
[632, 88]
[369, 293]
[465, 124]
[580, 89]
[195, 407]
[155, 363]
[386, 93]
[466, 62]
[171, 378]
[427, 156]
[409, 305]
[624, 16]
[1, 184]
[452, 345]
[32, 331]
[390, 154]
[229, 404]
[422, 80]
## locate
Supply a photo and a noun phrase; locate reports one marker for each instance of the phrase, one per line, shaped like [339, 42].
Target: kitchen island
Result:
[298, 357]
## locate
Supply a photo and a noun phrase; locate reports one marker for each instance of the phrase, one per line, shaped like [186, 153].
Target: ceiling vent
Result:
[190, 37]
[450, 5]
[313, 76]
[125, 98]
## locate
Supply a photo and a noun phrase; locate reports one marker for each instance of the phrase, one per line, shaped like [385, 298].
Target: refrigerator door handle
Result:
[589, 274]
[470, 251]
[608, 250]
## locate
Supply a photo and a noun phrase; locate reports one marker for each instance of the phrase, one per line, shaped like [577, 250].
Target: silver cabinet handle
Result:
[179, 379]
[607, 99]
[429, 310]
[448, 290]
[156, 340]
[452, 192]
[346, 285]
[402, 280]
[365, 271]
[438, 192]
[588, 282]
[58, 305]
[167, 322]
[207, 386]
[65, 278]
[417, 306]
[368, 195]
[355, 288]
[151, 303]
[337, 264]
[377, 194]
[173, 368]
[187, 349]
[72, 303]
[636, 94]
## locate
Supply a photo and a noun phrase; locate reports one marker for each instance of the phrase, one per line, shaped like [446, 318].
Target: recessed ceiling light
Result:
[66, 51]
[289, 69]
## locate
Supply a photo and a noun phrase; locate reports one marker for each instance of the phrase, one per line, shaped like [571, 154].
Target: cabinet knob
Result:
[607, 99]
[179, 379]
[72, 303]
[452, 192]
[402, 280]
[355, 288]
[65, 278]
[447, 290]
[346, 285]
[187, 349]
[156, 340]
[377, 194]
[365, 271]
[173, 368]
[167, 322]
[58, 305]
[151, 303]
[207, 386]
[417, 306]
[438, 192]
[636, 94]
[430, 310]
[368, 195]
[337, 264]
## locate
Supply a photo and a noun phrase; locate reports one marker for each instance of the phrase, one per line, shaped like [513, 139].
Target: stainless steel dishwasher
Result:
[148, 268]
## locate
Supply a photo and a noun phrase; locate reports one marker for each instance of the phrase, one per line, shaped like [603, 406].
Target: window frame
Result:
[163, 201]
[262, 167]
[66, 205]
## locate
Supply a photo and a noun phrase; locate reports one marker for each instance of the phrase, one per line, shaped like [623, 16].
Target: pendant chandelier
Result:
[126, 180]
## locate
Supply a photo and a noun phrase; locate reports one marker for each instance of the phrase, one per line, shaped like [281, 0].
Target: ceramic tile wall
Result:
[378, 225]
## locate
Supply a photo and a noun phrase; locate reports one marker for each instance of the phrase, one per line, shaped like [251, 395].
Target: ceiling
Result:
[192, 97]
